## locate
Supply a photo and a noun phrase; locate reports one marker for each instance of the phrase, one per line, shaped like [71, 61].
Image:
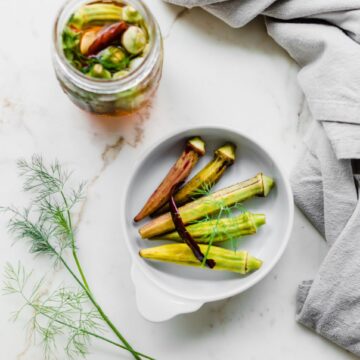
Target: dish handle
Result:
[156, 305]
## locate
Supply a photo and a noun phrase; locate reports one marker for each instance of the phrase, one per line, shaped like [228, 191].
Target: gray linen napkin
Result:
[323, 37]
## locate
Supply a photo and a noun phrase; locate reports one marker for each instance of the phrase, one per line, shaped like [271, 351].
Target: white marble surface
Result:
[212, 75]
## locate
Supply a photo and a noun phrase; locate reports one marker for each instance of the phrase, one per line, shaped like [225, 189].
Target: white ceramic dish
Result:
[166, 290]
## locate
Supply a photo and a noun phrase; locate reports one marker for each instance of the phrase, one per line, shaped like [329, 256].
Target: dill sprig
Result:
[63, 312]
[225, 211]
[47, 225]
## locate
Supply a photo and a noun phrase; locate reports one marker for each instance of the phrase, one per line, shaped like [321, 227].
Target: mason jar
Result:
[114, 96]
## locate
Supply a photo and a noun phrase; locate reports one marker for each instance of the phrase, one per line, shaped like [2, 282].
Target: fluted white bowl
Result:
[165, 290]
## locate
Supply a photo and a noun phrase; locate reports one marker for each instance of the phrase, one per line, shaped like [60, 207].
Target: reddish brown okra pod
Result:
[195, 147]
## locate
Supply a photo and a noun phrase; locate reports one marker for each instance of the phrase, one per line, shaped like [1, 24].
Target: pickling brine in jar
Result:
[108, 55]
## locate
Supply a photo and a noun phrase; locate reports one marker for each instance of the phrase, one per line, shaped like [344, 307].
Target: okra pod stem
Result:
[235, 261]
[259, 185]
[219, 230]
[206, 178]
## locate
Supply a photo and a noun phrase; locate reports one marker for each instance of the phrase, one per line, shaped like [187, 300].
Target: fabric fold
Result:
[330, 305]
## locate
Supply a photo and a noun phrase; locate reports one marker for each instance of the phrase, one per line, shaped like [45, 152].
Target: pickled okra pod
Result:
[228, 260]
[220, 230]
[131, 15]
[113, 35]
[206, 178]
[259, 185]
[134, 40]
[98, 71]
[114, 58]
[95, 13]
[105, 12]
[195, 147]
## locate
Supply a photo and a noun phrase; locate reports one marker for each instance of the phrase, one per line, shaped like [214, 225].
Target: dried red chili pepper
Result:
[106, 36]
[184, 234]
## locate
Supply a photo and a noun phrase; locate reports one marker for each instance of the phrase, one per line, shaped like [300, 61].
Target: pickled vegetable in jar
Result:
[108, 55]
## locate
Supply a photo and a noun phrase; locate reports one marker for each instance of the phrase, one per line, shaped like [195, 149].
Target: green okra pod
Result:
[95, 13]
[259, 185]
[105, 12]
[235, 261]
[219, 230]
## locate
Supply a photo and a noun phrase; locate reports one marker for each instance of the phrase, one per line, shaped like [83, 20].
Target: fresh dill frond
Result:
[41, 179]
[204, 190]
[47, 225]
[64, 312]
[54, 196]
[37, 232]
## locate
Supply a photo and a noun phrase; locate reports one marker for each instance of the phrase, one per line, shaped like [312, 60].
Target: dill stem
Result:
[84, 284]
[116, 344]
[100, 310]
[80, 269]
[73, 247]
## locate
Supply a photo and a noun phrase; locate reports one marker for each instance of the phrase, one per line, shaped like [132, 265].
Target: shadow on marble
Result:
[253, 37]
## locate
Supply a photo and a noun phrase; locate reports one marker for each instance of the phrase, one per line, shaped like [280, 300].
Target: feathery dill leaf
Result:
[36, 232]
[47, 225]
[63, 312]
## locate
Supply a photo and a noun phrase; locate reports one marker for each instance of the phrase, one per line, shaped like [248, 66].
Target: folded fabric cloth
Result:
[325, 189]
[323, 37]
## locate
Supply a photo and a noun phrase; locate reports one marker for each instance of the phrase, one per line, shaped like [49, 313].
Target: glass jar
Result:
[119, 96]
